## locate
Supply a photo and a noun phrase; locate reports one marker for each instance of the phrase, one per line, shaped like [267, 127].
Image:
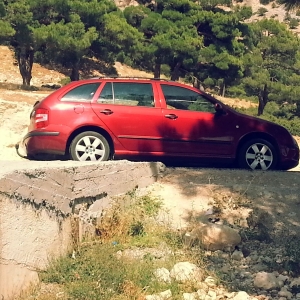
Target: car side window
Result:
[82, 93]
[181, 98]
[127, 93]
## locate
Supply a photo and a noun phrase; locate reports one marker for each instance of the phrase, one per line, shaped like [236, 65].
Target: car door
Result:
[192, 126]
[130, 112]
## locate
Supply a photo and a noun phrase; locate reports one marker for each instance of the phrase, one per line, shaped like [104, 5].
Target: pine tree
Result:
[16, 23]
[272, 61]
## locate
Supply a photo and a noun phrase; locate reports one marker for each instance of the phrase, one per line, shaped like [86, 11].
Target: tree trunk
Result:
[75, 72]
[157, 70]
[25, 60]
[175, 73]
[262, 100]
[196, 83]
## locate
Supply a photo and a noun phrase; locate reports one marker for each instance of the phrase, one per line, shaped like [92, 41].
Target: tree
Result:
[17, 28]
[67, 42]
[119, 37]
[225, 42]
[74, 30]
[169, 35]
[272, 61]
[261, 11]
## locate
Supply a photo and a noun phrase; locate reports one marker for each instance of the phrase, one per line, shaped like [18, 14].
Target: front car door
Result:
[130, 112]
[192, 126]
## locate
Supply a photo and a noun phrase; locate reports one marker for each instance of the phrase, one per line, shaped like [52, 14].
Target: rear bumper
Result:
[40, 133]
[41, 142]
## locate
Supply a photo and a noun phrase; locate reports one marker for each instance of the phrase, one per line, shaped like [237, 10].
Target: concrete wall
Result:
[37, 200]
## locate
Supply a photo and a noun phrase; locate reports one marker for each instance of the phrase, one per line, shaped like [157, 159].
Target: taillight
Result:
[41, 117]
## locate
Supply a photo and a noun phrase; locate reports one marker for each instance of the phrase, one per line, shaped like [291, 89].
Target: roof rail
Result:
[130, 77]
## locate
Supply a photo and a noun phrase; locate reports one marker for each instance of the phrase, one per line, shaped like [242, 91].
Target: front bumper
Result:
[289, 156]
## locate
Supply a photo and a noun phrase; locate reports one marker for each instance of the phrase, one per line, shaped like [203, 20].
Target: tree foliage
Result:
[169, 35]
[67, 42]
[200, 40]
[271, 62]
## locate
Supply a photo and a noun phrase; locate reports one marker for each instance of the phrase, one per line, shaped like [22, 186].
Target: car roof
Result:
[133, 78]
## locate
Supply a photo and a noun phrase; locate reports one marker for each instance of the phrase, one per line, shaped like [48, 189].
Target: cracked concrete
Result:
[36, 204]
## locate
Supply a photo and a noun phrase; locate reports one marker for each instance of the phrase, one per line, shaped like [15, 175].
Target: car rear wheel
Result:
[89, 146]
[257, 154]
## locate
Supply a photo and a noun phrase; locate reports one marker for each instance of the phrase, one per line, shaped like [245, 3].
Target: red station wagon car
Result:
[104, 118]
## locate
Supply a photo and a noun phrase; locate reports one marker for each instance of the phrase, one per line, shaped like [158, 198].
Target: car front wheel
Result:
[89, 146]
[257, 154]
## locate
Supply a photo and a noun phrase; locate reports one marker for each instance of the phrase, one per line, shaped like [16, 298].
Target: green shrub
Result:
[165, 69]
[261, 11]
[209, 82]
[29, 88]
[98, 271]
[120, 57]
[65, 81]
[294, 23]
[236, 91]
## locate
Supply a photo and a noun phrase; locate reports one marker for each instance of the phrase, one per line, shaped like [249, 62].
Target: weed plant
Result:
[98, 270]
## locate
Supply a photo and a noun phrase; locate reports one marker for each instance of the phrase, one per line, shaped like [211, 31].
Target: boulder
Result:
[237, 255]
[266, 281]
[213, 237]
[160, 296]
[241, 295]
[162, 275]
[186, 271]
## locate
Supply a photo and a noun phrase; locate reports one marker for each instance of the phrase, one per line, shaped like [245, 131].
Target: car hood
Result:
[260, 125]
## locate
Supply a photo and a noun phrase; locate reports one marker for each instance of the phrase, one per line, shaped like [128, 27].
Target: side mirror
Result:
[218, 108]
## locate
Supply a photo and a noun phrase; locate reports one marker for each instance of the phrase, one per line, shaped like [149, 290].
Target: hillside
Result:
[41, 75]
[274, 10]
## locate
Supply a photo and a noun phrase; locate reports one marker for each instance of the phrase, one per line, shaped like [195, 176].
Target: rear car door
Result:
[192, 126]
[131, 113]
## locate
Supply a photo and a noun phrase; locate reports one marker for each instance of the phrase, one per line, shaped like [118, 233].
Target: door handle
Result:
[171, 116]
[106, 111]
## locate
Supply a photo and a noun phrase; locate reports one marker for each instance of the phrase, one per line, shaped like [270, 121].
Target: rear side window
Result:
[127, 93]
[181, 98]
[82, 93]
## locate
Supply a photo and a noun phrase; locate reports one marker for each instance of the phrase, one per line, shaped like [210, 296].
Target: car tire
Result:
[257, 154]
[89, 146]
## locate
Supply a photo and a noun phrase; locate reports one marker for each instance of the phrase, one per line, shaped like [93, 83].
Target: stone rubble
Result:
[253, 270]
